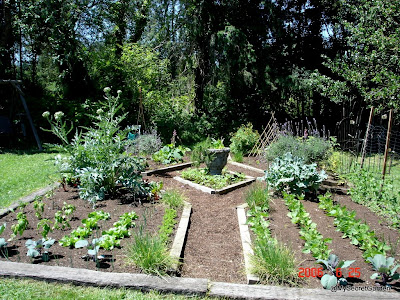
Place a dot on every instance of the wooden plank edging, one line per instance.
(244, 166)
(180, 236)
(246, 244)
(167, 169)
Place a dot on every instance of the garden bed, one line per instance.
(213, 247)
(150, 216)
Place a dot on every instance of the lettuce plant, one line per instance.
(385, 267)
(334, 266)
(170, 154)
(289, 173)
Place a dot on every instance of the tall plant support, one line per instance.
(269, 135)
(387, 149)
(16, 85)
(364, 148)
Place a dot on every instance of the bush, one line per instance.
(97, 158)
(311, 150)
(200, 154)
(244, 139)
(147, 144)
(291, 173)
(170, 154)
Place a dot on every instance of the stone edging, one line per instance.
(178, 285)
(180, 236)
(28, 199)
(246, 243)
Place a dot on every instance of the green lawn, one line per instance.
(23, 173)
(30, 289)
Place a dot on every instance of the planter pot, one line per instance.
(219, 158)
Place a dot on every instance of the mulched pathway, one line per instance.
(213, 247)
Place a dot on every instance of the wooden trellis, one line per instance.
(269, 135)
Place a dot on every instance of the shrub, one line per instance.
(200, 154)
(97, 157)
(170, 154)
(147, 143)
(244, 139)
(291, 173)
(311, 150)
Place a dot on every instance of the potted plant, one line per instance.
(213, 153)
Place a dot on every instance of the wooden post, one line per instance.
(28, 115)
(387, 144)
(366, 136)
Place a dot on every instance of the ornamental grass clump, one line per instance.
(97, 157)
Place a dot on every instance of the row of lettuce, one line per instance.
(295, 176)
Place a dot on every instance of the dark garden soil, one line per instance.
(213, 247)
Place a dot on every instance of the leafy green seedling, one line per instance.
(35, 248)
(22, 224)
(38, 205)
(386, 268)
(334, 266)
(45, 225)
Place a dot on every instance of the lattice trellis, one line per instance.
(269, 135)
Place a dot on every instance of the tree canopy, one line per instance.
(203, 67)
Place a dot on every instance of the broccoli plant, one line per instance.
(334, 266)
(386, 268)
(3, 243)
(92, 248)
(39, 248)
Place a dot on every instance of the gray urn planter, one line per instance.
(219, 158)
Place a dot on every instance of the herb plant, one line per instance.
(385, 267)
(334, 267)
(200, 152)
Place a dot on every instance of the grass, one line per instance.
(275, 263)
(149, 253)
(29, 289)
(23, 173)
(272, 261)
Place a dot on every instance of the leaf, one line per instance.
(375, 276)
(328, 281)
(347, 263)
(81, 244)
(3, 242)
(32, 252)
